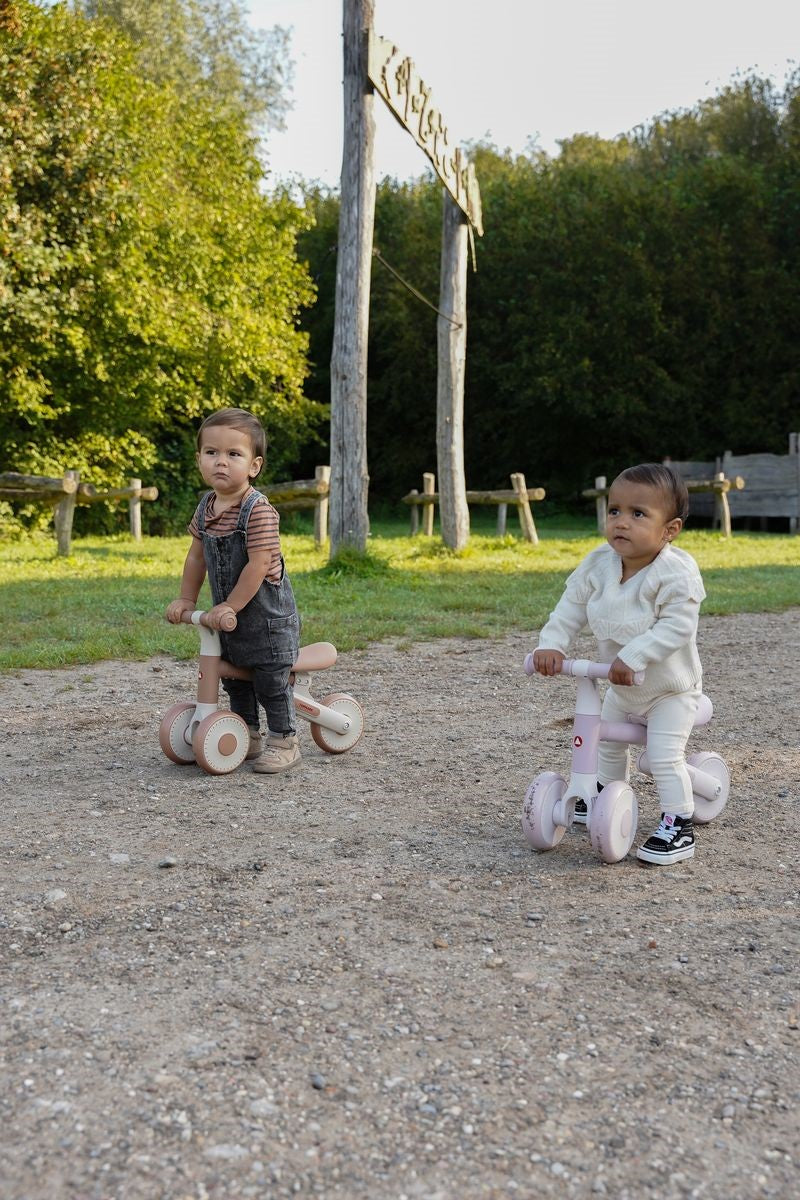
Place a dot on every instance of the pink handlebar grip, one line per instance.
(581, 667)
(593, 670)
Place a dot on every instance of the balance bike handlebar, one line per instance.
(581, 667)
(228, 623)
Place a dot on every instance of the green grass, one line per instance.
(107, 599)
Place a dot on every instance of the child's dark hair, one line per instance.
(238, 418)
(668, 482)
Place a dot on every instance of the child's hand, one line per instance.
(176, 610)
(548, 662)
(621, 674)
(219, 616)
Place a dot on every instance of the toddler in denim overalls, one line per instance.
(247, 576)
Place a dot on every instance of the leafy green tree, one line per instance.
(634, 299)
(145, 276)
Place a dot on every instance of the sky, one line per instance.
(523, 71)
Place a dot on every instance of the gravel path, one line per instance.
(357, 981)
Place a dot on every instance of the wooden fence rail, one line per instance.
(66, 492)
(305, 493)
(719, 485)
(518, 494)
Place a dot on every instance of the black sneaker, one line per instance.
(672, 841)
(581, 812)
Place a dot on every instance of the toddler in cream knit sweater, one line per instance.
(640, 597)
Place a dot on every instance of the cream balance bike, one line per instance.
(218, 740)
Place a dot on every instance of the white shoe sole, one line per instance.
(666, 859)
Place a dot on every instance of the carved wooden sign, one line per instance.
(396, 79)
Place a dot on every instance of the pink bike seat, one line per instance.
(315, 657)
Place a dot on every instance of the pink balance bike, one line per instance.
(612, 816)
(218, 740)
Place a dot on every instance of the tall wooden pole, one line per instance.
(349, 522)
(451, 358)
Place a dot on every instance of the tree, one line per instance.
(145, 277)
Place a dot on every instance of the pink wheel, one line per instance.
(328, 739)
(173, 734)
(221, 742)
(539, 822)
(706, 810)
(612, 825)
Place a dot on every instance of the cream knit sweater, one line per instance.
(650, 621)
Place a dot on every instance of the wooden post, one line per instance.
(135, 509)
(502, 514)
(349, 524)
(451, 332)
(722, 509)
(794, 449)
(600, 504)
(322, 475)
(414, 515)
(64, 512)
(524, 509)
(428, 488)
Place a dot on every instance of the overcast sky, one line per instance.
(515, 70)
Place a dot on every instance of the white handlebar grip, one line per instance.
(529, 667)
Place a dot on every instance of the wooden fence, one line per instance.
(519, 494)
(773, 484)
(715, 489)
(66, 492)
(305, 493)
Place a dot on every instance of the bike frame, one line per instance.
(588, 730)
(213, 668)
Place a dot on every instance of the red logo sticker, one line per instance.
(577, 741)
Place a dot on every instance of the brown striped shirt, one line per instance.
(263, 532)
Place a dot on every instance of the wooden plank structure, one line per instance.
(376, 66)
(66, 492)
(715, 490)
(519, 494)
(305, 493)
(773, 484)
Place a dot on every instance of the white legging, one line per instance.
(669, 722)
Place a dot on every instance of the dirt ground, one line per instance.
(356, 980)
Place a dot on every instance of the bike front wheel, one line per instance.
(613, 821)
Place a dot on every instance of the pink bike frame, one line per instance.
(589, 730)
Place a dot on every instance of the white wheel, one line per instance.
(221, 742)
(538, 821)
(706, 810)
(173, 733)
(613, 821)
(328, 739)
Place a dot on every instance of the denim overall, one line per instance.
(267, 634)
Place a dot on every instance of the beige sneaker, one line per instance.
(279, 754)
(256, 743)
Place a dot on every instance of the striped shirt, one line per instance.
(263, 533)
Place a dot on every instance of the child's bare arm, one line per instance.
(246, 587)
(194, 572)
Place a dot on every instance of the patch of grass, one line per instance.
(108, 598)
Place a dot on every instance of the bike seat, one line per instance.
(315, 657)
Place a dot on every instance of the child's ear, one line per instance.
(673, 528)
(256, 466)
